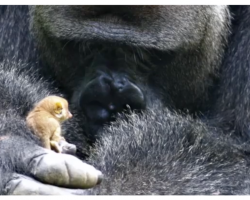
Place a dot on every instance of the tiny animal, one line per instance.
(45, 121)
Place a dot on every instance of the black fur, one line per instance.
(179, 65)
(163, 153)
(231, 110)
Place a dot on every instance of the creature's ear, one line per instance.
(58, 108)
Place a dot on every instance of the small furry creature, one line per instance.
(46, 118)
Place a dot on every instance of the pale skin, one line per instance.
(46, 118)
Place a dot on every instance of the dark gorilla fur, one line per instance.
(191, 135)
(174, 157)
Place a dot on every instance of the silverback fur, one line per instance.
(183, 70)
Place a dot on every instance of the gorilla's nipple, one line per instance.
(111, 107)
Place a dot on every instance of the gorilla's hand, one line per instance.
(49, 168)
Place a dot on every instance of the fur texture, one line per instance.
(192, 138)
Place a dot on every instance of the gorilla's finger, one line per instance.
(23, 185)
(63, 170)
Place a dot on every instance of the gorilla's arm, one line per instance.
(20, 153)
(24, 157)
(231, 110)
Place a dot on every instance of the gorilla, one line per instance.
(159, 95)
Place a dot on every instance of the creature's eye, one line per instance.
(59, 112)
(58, 108)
